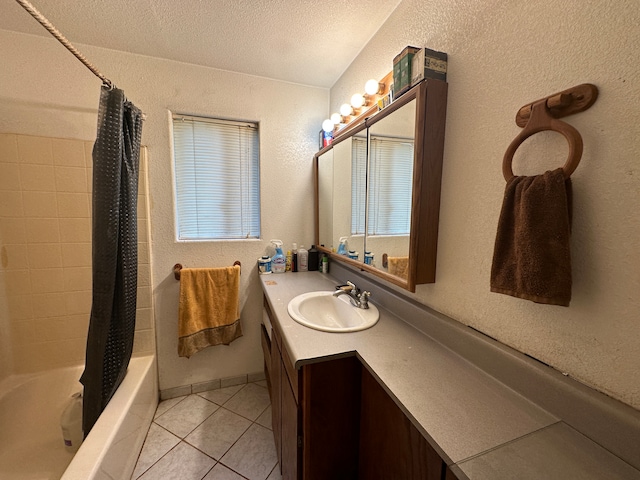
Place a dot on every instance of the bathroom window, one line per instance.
(390, 181)
(217, 178)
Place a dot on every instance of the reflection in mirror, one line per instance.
(345, 198)
(391, 159)
(325, 198)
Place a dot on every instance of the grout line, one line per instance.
(183, 439)
(154, 463)
(170, 408)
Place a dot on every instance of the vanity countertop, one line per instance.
(474, 421)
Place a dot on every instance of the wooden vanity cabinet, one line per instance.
(315, 413)
(333, 420)
(285, 409)
(390, 445)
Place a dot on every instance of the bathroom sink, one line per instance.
(323, 311)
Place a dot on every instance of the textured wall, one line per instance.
(45, 91)
(502, 55)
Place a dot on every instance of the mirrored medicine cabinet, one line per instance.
(378, 186)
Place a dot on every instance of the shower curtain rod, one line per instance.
(62, 39)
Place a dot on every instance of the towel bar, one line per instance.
(178, 266)
(543, 115)
(572, 100)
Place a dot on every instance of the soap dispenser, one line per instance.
(342, 249)
(278, 262)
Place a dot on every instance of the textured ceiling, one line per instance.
(301, 41)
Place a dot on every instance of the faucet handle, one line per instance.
(355, 290)
(364, 299)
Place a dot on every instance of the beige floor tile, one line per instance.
(218, 433)
(182, 463)
(165, 405)
(265, 418)
(275, 473)
(187, 415)
(157, 444)
(250, 402)
(221, 395)
(246, 449)
(220, 472)
(254, 455)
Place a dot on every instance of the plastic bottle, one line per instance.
(71, 423)
(313, 259)
(368, 258)
(294, 258)
(278, 262)
(324, 265)
(289, 261)
(264, 265)
(342, 248)
(303, 259)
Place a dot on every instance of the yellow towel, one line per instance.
(399, 266)
(208, 310)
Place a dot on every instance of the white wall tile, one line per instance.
(35, 150)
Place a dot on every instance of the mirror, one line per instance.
(390, 166)
(325, 198)
(383, 177)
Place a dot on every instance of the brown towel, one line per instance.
(531, 259)
(399, 266)
(208, 310)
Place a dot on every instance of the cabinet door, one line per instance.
(276, 402)
(266, 352)
(290, 424)
(450, 475)
(330, 409)
(390, 446)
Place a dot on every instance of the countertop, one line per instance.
(474, 421)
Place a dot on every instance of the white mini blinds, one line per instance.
(388, 182)
(217, 175)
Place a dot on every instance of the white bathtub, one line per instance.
(31, 446)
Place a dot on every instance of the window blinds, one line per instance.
(358, 184)
(390, 185)
(217, 175)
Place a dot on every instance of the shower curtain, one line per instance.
(116, 156)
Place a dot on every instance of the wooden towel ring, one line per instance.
(539, 121)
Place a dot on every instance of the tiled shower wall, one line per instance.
(45, 249)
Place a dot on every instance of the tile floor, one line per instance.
(222, 434)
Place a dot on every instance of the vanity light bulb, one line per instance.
(336, 118)
(357, 100)
(345, 110)
(327, 125)
(372, 87)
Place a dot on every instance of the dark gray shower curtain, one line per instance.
(116, 156)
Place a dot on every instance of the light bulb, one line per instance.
(372, 87)
(357, 100)
(336, 118)
(327, 125)
(345, 109)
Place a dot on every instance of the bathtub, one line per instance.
(31, 446)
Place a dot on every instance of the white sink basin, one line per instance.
(323, 311)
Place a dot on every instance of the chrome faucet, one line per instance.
(356, 297)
